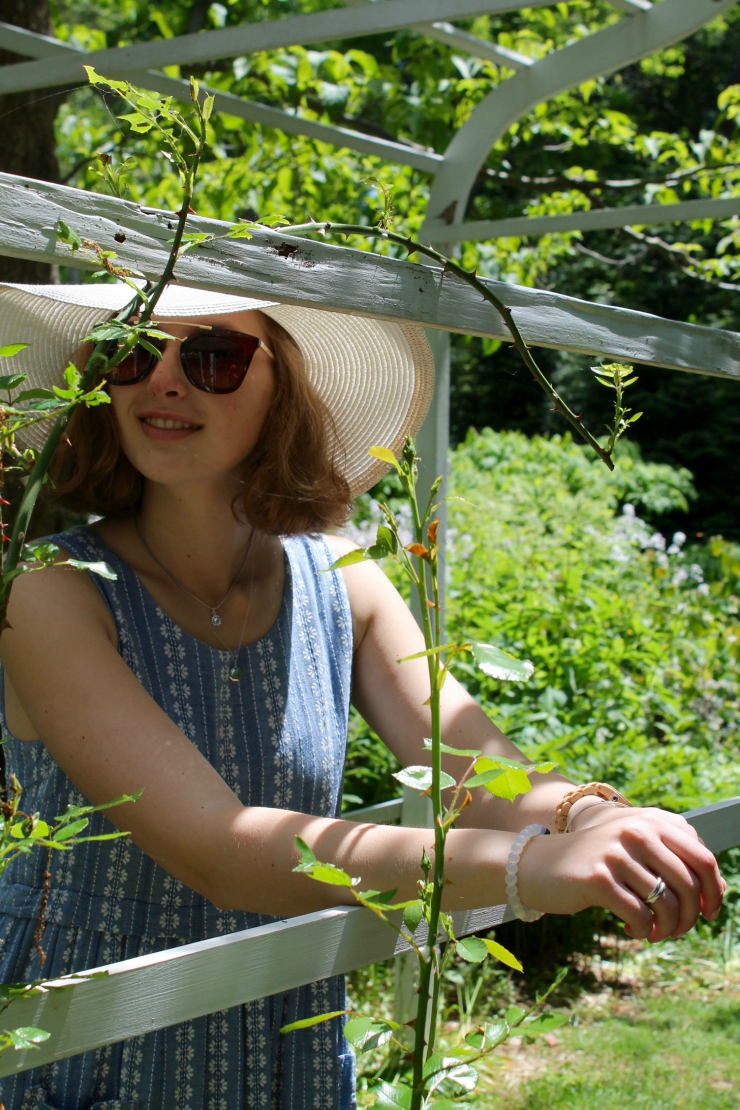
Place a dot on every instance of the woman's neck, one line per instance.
(195, 535)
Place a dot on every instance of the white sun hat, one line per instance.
(375, 377)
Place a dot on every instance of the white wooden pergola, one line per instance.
(141, 995)
(644, 28)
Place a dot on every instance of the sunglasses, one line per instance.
(215, 361)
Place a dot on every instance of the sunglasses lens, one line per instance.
(132, 368)
(218, 363)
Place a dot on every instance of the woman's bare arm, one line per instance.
(391, 697)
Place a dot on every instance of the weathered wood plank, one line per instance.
(320, 275)
(718, 825)
(137, 996)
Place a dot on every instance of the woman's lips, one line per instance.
(167, 434)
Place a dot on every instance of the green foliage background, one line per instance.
(635, 637)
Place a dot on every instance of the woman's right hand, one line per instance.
(616, 862)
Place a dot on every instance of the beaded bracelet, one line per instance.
(517, 848)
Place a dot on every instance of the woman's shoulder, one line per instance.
(58, 584)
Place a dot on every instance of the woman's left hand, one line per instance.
(603, 814)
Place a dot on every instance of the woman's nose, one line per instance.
(167, 378)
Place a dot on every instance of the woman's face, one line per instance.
(215, 432)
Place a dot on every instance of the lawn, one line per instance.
(651, 1027)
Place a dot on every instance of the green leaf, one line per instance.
(380, 898)
(392, 1097)
(307, 856)
(544, 1023)
(420, 778)
(509, 785)
(439, 1067)
(27, 1037)
(67, 235)
(494, 1033)
(72, 829)
(386, 538)
(34, 395)
(10, 381)
(467, 753)
(95, 79)
(306, 1023)
(503, 955)
(11, 349)
(102, 569)
(326, 873)
(500, 665)
(412, 916)
(349, 559)
(366, 1033)
(428, 652)
(472, 949)
(385, 456)
(514, 1015)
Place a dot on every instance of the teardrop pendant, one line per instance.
(215, 619)
(236, 674)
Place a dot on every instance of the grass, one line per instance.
(654, 1027)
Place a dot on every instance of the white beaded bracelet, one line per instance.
(517, 848)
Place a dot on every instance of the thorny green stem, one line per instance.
(427, 966)
(450, 266)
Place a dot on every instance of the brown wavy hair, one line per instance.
(293, 485)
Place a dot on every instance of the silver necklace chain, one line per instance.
(215, 618)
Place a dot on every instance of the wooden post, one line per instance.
(432, 443)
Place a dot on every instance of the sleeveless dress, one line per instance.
(278, 738)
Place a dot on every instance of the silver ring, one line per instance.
(658, 890)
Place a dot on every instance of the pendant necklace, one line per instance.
(235, 672)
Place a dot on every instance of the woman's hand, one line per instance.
(615, 860)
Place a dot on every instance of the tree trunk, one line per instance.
(27, 145)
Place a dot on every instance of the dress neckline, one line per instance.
(128, 570)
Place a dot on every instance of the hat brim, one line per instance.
(375, 377)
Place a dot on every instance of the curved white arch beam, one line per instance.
(603, 52)
(251, 38)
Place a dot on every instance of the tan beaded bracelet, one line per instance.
(599, 789)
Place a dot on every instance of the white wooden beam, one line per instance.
(151, 992)
(320, 275)
(137, 996)
(631, 7)
(463, 41)
(598, 54)
(228, 42)
(596, 219)
(42, 46)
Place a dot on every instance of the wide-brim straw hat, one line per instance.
(375, 377)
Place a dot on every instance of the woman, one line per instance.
(214, 676)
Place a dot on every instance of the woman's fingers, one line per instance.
(698, 858)
(678, 904)
(622, 901)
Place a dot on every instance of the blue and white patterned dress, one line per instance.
(278, 738)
